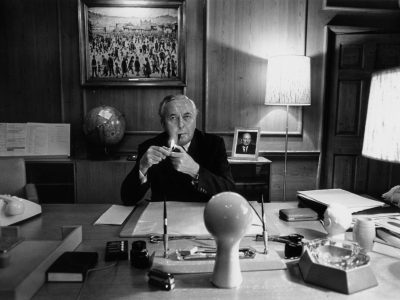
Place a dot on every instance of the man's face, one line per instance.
(180, 120)
(246, 139)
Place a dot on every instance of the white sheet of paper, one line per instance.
(350, 200)
(184, 218)
(115, 215)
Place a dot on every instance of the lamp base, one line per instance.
(261, 262)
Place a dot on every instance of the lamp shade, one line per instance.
(382, 127)
(288, 80)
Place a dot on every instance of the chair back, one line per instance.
(12, 176)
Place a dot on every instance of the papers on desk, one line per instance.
(115, 215)
(184, 218)
(352, 201)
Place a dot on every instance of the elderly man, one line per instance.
(180, 164)
(246, 147)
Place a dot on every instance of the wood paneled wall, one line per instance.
(228, 43)
(241, 35)
(29, 56)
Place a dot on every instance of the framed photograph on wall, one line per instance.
(130, 42)
(245, 143)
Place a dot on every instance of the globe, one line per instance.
(104, 126)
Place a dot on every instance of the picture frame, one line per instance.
(246, 143)
(132, 43)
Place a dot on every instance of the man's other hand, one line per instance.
(183, 162)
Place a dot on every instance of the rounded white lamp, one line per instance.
(227, 216)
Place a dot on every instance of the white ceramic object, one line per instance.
(227, 216)
(337, 219)
(364, 233)
(14, 205)
(14, 209)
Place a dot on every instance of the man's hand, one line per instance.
(183, 162)
(153, 156)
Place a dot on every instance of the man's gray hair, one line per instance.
(170, 98)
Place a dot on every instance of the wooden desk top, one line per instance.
(125, 282)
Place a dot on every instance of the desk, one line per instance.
(124, 282)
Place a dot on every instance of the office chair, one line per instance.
(13, 179)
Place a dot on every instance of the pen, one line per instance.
(265, 233)
(165, 229)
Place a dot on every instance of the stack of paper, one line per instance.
(338, 196)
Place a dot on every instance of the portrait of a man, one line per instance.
(246, 144)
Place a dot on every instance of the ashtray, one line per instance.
(341, 254)
(336, 264)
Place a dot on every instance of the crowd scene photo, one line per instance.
(123, 49)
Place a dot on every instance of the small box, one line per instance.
(298, 214)
(116, 250)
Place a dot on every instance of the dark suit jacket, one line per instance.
(214, 174)
(251, 149)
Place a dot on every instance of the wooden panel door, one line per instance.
(352, 59)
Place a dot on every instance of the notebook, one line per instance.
(71, 266)
(350, 200)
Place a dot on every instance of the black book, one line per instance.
(71, 266)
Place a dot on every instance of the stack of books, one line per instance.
(388, 231)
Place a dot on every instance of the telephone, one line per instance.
(14, 209)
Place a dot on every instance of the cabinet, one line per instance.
(54, 179)
(252, 177)
(100, 181)
(91, 181)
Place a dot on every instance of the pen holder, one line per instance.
(227, 216)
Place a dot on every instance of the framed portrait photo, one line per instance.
(245, 143)
(130, 42)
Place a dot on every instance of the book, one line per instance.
(71, 266)
(350, 200)
(382, 247)
(389, 237)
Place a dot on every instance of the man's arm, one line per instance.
(217, 176)
(132, 188)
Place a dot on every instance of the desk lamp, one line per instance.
(288, 84)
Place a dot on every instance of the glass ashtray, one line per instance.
(340, 254)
